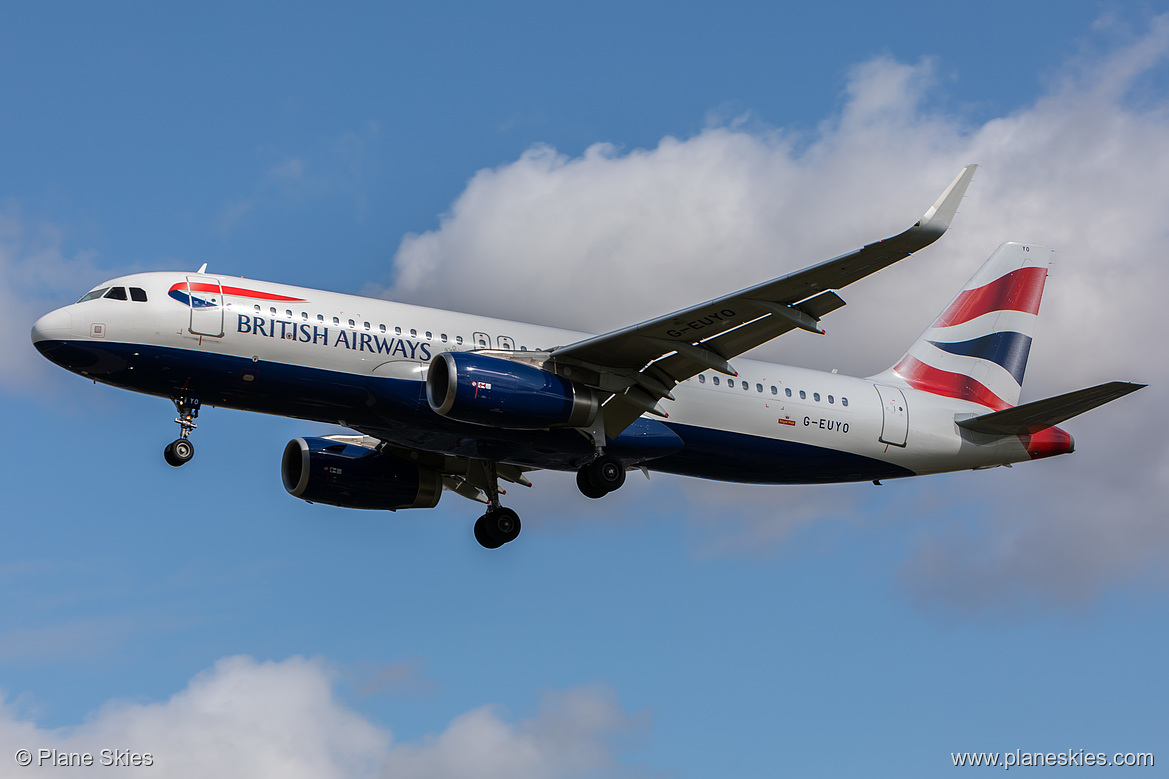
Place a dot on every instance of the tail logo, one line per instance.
(977, 349)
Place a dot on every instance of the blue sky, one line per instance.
(587, 167)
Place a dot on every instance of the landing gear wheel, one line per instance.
(497, 527)
(585, 485)
(179, 452)
(606, 473)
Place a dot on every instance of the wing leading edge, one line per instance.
(641, 364)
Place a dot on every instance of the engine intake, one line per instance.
(491, 391)
(321, 470)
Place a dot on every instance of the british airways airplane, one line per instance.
(442, 400)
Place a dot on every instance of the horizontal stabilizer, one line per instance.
(1032, 417)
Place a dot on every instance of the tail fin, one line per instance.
(977, 349)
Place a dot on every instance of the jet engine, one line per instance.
(321, 470)
(492, 391)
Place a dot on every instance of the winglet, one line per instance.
(941, 213)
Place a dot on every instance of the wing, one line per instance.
(641, 364)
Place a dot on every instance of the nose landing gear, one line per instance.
(181, 450)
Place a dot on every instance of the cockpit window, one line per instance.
(138, 294)
(116, 293)
(97, 293)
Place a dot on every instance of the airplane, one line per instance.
(441, 400)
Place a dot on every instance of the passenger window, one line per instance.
(97, 293)
(482, 341)
(304, 315)
(788, 390)
(758, 387)
(830, 400)
(272, 310)
(413, 333)
(257, 307)
(803, 395)
(382, 328)
(116, 293)
(288, 313)
(715, 380)
(844, 401)
(336, 321)
(352, 323)
(442, 337)
(320, 317)
(701, 378)
(397, 331)
(731, 383)
(816, 396)
(522, 348)
(428, 335)
(774, 391)
(459, 340)
(367, 325)
(746, 386)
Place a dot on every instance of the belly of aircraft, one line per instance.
(396, 410)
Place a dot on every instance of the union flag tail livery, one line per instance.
(447, 402)
(977, 348)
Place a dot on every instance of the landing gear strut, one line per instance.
(181, 450)
(600, 477)
(499, 525)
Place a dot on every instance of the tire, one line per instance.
(505, 524)
(607, 473)
(585, 484)
(485, 533)
(178, 452)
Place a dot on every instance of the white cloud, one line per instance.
(244, 718)
(616, 236)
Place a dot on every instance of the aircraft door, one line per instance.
(205, 296)
(894, 415)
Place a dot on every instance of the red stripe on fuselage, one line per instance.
(951, 385)
(1019, 290)
(237, 291)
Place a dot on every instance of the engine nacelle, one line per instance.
(321, 470)
(491, 391)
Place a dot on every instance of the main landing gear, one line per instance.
(600, 477)
(181, 450)
(499, 525)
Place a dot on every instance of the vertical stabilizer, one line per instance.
(977, 349)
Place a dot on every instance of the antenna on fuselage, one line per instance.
(202, 268)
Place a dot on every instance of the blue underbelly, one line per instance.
(396, 410)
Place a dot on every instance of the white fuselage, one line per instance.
(279, 349)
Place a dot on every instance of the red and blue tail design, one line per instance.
(977, 349)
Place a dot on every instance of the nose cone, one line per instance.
(53, 326)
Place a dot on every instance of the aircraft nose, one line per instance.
(53, 326)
